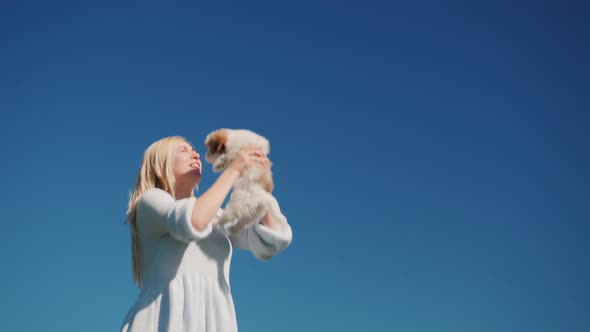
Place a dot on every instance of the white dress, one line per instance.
(186, 272)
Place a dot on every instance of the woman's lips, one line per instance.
(196, 165)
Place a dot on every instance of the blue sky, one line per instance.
(431, 158)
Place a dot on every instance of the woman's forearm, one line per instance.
(269, 221)
(207, 205)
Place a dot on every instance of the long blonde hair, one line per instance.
(156, 171)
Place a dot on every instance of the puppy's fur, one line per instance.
(252, 192)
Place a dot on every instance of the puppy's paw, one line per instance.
(219, 165)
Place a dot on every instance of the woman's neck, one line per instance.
(184, 191)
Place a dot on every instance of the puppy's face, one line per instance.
(216, 144)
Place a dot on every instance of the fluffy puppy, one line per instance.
(252, 192)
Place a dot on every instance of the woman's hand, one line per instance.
(248, 157)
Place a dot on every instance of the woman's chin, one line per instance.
(196, 173)
(193, 176)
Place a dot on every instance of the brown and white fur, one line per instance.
(252, 192)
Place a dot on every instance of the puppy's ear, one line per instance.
(267, 182)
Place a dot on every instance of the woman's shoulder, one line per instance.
(154, 197)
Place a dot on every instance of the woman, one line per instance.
(181, 258)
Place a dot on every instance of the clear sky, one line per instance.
(431, 158)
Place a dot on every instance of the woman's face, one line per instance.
(187, 163)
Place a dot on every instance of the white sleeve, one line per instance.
(263, 241)
(158, 213)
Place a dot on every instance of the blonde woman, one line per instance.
(181, 258)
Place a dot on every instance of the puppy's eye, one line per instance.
(215, 147)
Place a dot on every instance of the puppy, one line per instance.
(252, 192)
